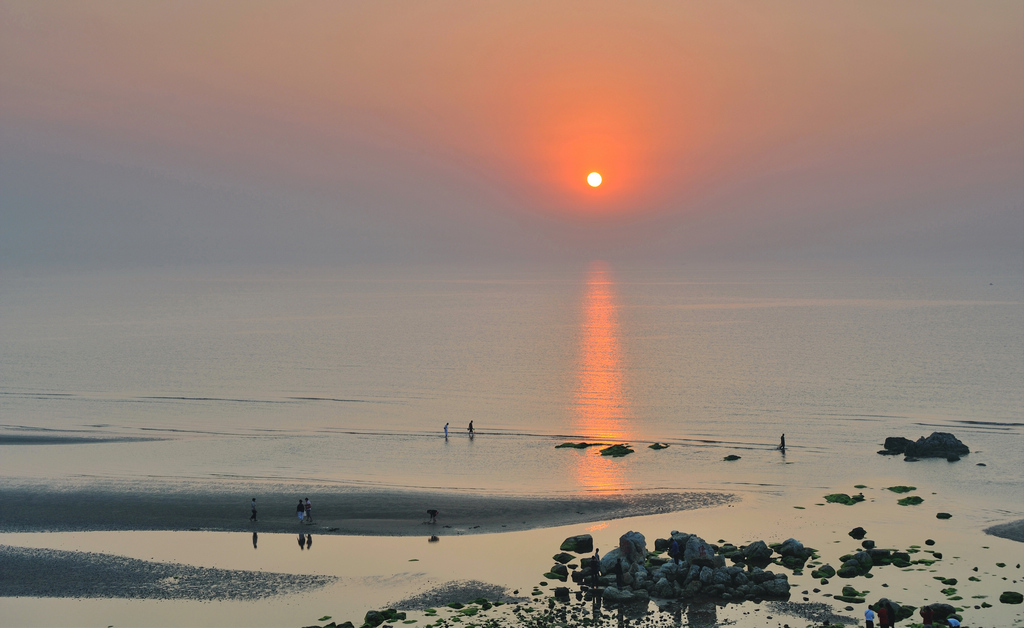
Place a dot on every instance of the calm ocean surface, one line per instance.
(348, 377)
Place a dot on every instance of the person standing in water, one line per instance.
(300, 510)
(782, 443)
(309, 511)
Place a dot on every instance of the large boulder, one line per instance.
(938, 445)
(941, 611)
(633, 547)
(758, 553)
(699, 552)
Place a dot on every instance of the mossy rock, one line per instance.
(901, 489)
(616, 451)
(843, 498)
(555, 576)
(561, 557)
(657, 446)
(860, 486)
(455, 605)
(575, 445)
(1011, 597)
(731, 457)
(913, 500)
(851, 592)
(849, 599)
(825, 571)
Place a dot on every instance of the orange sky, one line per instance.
(689, 110)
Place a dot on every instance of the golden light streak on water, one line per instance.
(601, 410)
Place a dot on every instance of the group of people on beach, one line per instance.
(886, 620)
(470, 429)
(304, 510)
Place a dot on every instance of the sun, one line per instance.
(594, 179)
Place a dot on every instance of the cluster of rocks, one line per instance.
(630, 573)
(938, 445)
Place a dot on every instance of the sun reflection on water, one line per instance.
(601, 411)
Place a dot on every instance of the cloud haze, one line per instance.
(321, 132)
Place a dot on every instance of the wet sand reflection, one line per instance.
(601, 411)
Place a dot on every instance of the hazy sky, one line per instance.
(138, 133)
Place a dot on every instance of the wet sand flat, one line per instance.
(355, 512)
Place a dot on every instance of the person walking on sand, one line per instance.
(471, 432)
(446, 431)
(309, 511)
(869, 618)
(782, 443)
(252, 517)
(300, 510)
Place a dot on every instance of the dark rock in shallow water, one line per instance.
(896, 444)
(938, 445)
(616, 451)
(1011, 597)
(731, 457)
(581, 544)
(867, 544)
(563, 558)
(943, 515)
(858, 533)
(941, 611)
(758, 553)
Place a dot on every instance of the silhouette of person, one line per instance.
(302, 541)
(309, 541)
(300, 510)
(255, 537)
(782, 443)
(446, 431)
(471, 431)
(433, 515)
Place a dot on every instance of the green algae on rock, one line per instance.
(913, 500)
(843, 498)
(901, 489)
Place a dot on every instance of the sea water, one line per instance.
(348, 376)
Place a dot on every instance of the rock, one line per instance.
(894, 609)
(943, 515)
(705, 575)
(616, 451)
(777, 587)
(849, 569)
(699, 552)
(858, 533)
(660, 545)
(663, 588)
(929, 542)
(938, 445)
(373, 618)
(559, 569)
(561, 592)
(913, 500)
(563, 558)
(1011, 597)
(896, 445)
(731, 457)
(867, 544)
(952, 458)
(825, 571)
(657, 446)
(580, 544)
(633, 547)
(941, 611)
(758, 553)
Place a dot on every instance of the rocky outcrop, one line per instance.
(938, 445)
(630, 574)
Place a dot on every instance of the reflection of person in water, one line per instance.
(433, 539)
(302, 541)
(255, 537)
(309, 541)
